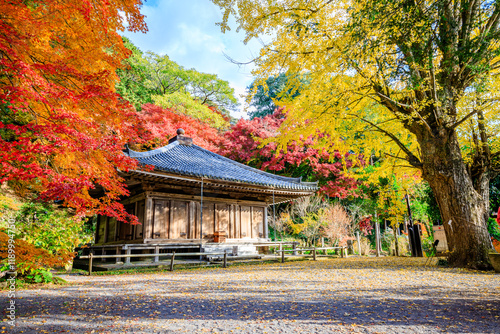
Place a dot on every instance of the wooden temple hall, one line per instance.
(196, 198)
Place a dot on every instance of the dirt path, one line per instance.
(329, 296)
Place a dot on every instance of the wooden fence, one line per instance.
(313, 250)
(172, 255)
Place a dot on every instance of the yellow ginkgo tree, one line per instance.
(410, 82)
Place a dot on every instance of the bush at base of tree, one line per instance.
(44, 237)
(31, 263)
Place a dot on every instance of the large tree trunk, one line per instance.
(463, 208)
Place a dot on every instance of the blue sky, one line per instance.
(186, 32)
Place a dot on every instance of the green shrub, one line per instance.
(493, 228)
(427, 246)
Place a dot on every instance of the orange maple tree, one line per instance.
(29, 258)
(62, 125)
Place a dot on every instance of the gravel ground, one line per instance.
(354, 295)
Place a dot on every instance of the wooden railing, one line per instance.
(313, 250)
(172, 255)
(295, 250)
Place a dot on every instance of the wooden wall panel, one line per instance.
(140, 216)
(111, 235)
(222, 216)
(101, 230)
(180, 220)
(233, 228)
(257, 222)
(125, 229)
(160, 219)
(148, 219)
(246, 224)
(208, 220)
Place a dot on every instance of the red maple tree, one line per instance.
(243, 143)
(157, 125)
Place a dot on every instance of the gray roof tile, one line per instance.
(192, 160)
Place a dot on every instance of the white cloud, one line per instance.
(186, 32)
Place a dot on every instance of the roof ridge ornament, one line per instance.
(183, 140)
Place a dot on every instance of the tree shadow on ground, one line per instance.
(128, 312)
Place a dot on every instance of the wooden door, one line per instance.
(101, 230)
(246, 224)
(180, 220)
(125, 229)
(111, 230)
(140, 216)
(208, 220)
(222, 214)
(234, 221)
(160, 219)
(257, 222)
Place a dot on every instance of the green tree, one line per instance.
(150, 78)
(264, 96)
(132, 84)
(209, 90)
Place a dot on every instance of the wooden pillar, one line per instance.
(237, 221)
(148, 223)
(192, 220)
(266, 227)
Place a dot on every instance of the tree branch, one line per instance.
(412, 159)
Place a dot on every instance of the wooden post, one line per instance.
(342, 252)
(225, 259)
(90, 263)
(314, 254)
(118, 252)
(377, 235)
(127, 259)
(157, 251)
(294, 246)
(103, 252)
(282, 256)
(359, 242)
(172, 262)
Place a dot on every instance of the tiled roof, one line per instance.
(192, 160)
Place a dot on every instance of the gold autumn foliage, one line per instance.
(406, 84)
